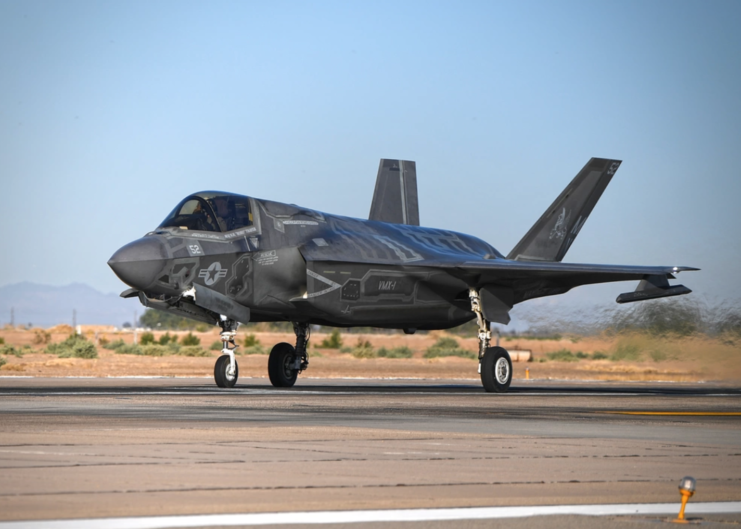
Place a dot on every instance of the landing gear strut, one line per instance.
(495, 365)
(226, 370)
(286, 361)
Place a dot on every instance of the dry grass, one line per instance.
(625, 356)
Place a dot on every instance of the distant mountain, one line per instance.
(45, 306)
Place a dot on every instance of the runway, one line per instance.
(84, 448)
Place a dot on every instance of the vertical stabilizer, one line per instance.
(395, 197)
(550, 238)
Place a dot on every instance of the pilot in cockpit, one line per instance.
(224, 213)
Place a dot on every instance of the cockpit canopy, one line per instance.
(210, 211)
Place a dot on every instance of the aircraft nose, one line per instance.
(139, 263)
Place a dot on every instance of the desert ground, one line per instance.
(622, 357)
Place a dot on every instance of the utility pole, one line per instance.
(12, 316)
(134, 327)
(74, 318)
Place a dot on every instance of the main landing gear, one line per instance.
(286, 361)
(495, 365)
(226, 370)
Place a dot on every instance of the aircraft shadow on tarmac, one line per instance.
(369, 387)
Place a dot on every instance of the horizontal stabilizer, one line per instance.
(653, 287)
(395, 197)
(550, 238)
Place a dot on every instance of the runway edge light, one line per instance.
(686, 489)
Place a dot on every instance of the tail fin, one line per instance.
(395, 198)
(550, 238)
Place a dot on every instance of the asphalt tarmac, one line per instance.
(88, 448)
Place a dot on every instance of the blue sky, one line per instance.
(111, 112)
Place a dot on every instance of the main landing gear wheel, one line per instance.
(282, 366)
(223, 374)
(496, 370)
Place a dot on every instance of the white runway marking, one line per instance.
(397, 515)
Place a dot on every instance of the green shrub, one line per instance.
(147, 338)
(192, 350)
(251, 340)
(581, 355)
(253, 350)
(103, 342)
(155, 350)
(75, 346)
(9, 350)
(80, 350)
(333, 341)
(363, 349)
(658, 356)
(190, 339)
(627, 351)
(218, 345)
(563, 355)
(3, 361)
(446, 342)
(447, 346)
(2, 340)
(113, 346)
(396, 352)
(128, 349)
(167, 338)
(364, 352)
(599, 355)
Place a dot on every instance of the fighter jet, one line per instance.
(226, 259)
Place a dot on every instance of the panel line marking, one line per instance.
(391, 515)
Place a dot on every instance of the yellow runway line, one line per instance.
(684, 413)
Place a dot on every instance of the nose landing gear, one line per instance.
(226, 370)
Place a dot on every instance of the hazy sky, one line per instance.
(111, 112)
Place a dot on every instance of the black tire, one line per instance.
(496, 370)
(221, 375)
(280, 366)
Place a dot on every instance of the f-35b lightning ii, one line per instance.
(223, 259)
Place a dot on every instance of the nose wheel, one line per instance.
(226, 370)
(224, 374)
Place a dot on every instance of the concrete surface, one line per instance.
(79, 448)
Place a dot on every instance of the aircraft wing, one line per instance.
(505, 282)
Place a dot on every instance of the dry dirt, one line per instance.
(679, 360)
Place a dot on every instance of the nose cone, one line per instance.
(139, 263)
